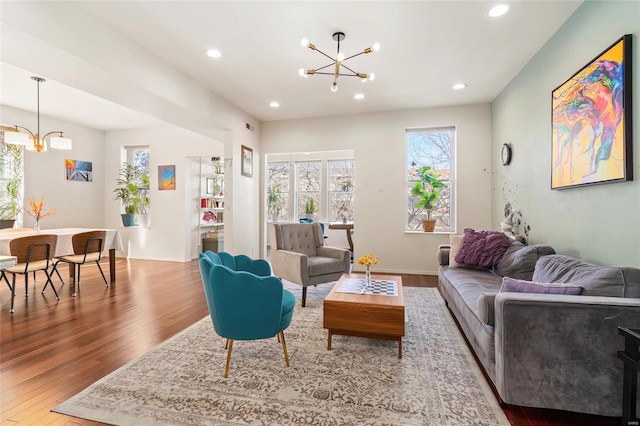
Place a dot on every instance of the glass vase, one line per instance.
(367, 278)
(36, 227)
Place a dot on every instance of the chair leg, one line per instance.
(284, 348)
(102, 273)
(226, 368)
(13, 291)
(55, 269)
(304, 296)
(49, 282)
(226, 344)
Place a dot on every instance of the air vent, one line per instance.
(249, 126)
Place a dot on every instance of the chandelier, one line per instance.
(18, 135)
(339, 68)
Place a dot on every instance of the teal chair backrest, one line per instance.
(242, 305)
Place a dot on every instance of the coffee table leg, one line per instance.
(329, 341)
(400, 348)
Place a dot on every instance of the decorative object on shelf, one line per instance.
(246, 154)
(79, 170)
(337, 63)
(517, 220)
(217, 165)
(209, 186)
(167, 178)
(36, 211)
(209, 216)
(367, 260)
(11, 161)
(592, 121)
(428, 193)
(310, 208)
(18, 135)
(505, 154)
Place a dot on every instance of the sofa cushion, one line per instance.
(522, 286)
(519, 260)
(482, 248)
(455, 241)
(596, 280)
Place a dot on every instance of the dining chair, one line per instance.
(87, 247)
(33, 254)
(243, 305)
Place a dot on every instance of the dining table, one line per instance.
(64, 246)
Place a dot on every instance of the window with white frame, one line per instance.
(341, 190)
(434, 148)
(11, 181)
(139, 158)
(326, 177)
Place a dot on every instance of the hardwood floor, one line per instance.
(50, 350)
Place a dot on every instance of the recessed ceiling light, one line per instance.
(358, 96)
(213, 53)
(274, 104)
(458, 86)
(499, 10)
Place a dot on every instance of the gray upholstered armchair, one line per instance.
(299, 254)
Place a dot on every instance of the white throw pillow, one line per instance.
(455, 241)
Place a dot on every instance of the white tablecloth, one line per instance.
(64, 245)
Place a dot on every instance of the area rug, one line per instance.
(359, 382)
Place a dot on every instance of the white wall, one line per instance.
(380, 155)
(598, 223)
(78, 204)
(171, 235)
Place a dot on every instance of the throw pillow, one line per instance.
(519, 261)
(455, 241)
(521, 286)
(482, 249)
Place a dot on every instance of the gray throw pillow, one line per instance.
(519, 261)
(522, 286)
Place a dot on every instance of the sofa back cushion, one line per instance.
(519, 260)
(596, 280)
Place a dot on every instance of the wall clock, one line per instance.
(505, 154)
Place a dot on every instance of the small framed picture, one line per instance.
(209, 185)
(247, 161)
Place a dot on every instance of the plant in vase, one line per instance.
(310, 207)
(427, 191)
(274, 201)
(36, 211)
(367, 260)
(132, 192)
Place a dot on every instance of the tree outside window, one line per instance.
(307, 185)
(341, 190)
(278, 187)
(435, 148)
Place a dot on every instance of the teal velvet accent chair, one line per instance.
(245, 301)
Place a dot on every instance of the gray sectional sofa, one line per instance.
(546, 350)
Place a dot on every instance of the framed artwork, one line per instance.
(591, 122)
(247, 161)
(209, 185)
(167, 178)
(78, 170)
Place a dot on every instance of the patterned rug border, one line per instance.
(109, 416)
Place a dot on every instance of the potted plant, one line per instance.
(427, 191)
(274, 201)
(310, 207)
(142, 217)
(11, 200)
(130, 181)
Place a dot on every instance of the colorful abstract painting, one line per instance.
(591, 140)
(167, 177)
(79, 170)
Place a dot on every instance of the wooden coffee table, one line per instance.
(364, 315)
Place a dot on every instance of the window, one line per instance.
(325, 177)
(278, 189)
(11, 181)
(139, 158)
(307, 186)
(341, 190)
(434, 147)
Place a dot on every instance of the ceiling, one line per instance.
(427, 46)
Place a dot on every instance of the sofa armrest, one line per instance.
(486, 308)
(556, 351)
(290, 266)
(443, 254)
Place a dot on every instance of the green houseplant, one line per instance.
(274, 201)
(427, 191)
(310, 207)
(11, 159)
(132, 192)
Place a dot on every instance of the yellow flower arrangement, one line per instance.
(368, 260)
(35, 209)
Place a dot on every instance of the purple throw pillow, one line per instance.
(521, 286)
(482, 248)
